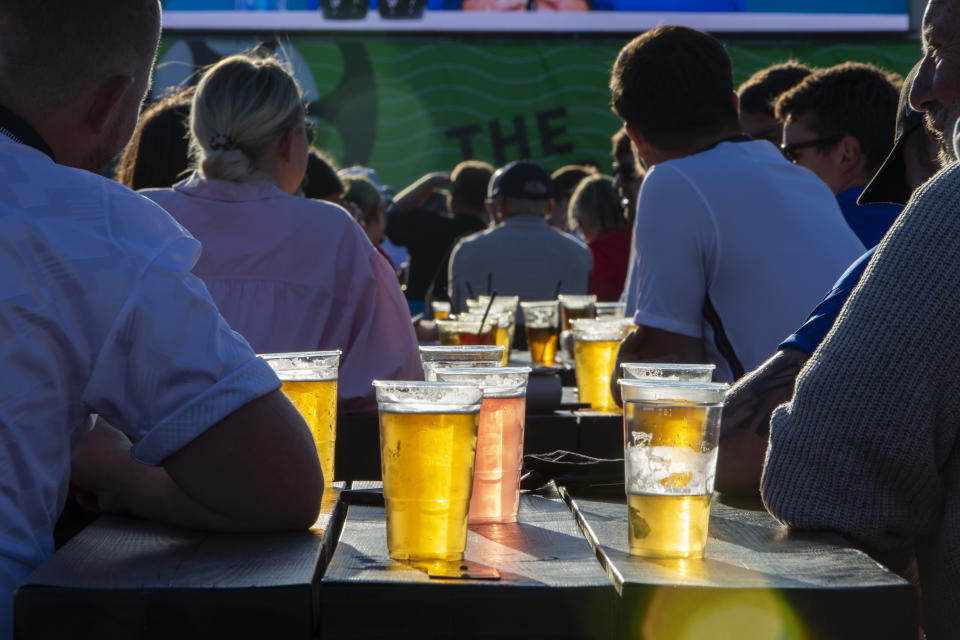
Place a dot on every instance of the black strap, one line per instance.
(18, 130)
(720, 338)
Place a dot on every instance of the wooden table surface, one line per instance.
(755, 575)
(550, 584)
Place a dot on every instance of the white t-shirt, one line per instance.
(764, 238)
(99, 313)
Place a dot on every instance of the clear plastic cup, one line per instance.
(435, 356)
(575, 308)
(668, 371)
(428, 443)
(496, 477)
(309, 379)
(671, 432)
(616, 309)
(595, 346)
(440, 309)
(467, 331)
(541, 319)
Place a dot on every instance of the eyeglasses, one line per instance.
(790, 150)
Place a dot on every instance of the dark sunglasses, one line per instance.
(790, 150)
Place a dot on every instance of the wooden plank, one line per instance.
(129, 578)
(755, 574)
(550, 586)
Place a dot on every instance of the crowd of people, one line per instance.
(798, 232)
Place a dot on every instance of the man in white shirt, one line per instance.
(735, 245)
(522, 256)
(99, 314)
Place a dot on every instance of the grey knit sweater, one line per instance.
(868, 445)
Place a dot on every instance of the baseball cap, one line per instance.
(522, 179)
(889, 184)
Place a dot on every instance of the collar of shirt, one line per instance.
(524, 222)
(15, 128)
(227, 190)
(849, 197)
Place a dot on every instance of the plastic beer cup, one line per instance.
(309, 380)
(440, 309)
(496, 476)
(575, 308)
(595, 346)
(428, 442)
(616, 309)
(469, 331)
(668, 371)
(434, 356)
(671, 432)
(541, 320)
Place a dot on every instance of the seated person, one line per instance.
(759, 93)
(523, 256)
(157, 155)
(564, 181)
(288, 273)
(99, 313)
(595, 209)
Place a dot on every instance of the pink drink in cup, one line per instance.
(496, 479)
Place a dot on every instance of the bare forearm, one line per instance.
(746, 420)
(417, 193)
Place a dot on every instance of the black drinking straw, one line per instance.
(469, 289)
(557, 293)
(493, 296)
(489, 282)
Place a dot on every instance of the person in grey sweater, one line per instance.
(868, 445)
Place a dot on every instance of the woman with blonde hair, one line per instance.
(596, 209)
(288, 273)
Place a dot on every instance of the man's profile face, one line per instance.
(802, 145)
(936, 89)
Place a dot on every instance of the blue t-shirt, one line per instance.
(818, 324)
(869, 221)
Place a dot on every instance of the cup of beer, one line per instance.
(668, 371)
(595, 346)
(671, 431)
(496, 475)
(541, 320)
(575, 308)
(428, 443)
(309, 379)
(435, 356)
(440, 309)
(615, 309)
(466, 331)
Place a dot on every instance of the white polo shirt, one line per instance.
(763, 238)
(99, 313)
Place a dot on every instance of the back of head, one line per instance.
(565, 179)
(758, 93)
(242, 105)
(321, 181)
(852, 99)
(524, 188)
(53, 51)
(596, 207)
(364, 193)
(469, 189)
(674, 86)
(158, 154)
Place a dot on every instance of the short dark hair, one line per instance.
(52, 51)
(321, 181)
(469, 185)
(565, 179)
(852, 98)
(157, 154)
(674, 86)
(758, 93)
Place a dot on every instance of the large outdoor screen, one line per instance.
(575, 16)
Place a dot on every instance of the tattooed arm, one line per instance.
(746, 420)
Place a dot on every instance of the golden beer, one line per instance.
(427, 461)
(501, 336)
(668, 526)
(594, 361)
(316, 400)
(542, 342)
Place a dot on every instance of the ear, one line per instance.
(106, 100)
(643, 147)
(549, 208)
(285, 144)
(736, 102)
(850, 154)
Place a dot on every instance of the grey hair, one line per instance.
(596, 204)
(242, 105)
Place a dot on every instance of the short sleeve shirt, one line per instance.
(99, 313)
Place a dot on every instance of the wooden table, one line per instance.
(550, 585)
(757, 577)
(127, 578)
